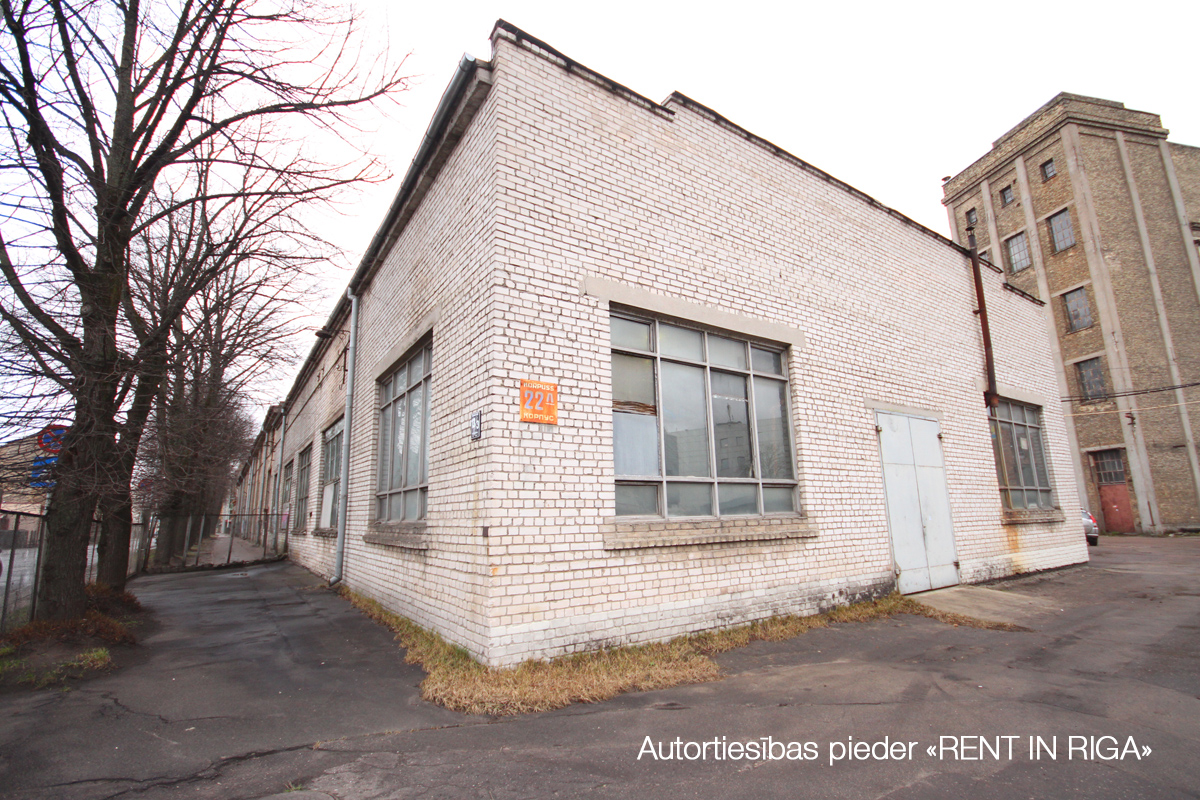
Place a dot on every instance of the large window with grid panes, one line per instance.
(303, 462)
(1016, 252)
(402, 475)
(701, 423)
(331, 474)
(1018, 447)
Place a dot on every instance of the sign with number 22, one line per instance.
(539, 402)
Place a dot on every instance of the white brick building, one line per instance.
(734, 338)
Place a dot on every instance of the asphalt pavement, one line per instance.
(259, 681)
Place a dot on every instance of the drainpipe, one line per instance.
(340, 559)
(279, 470)
(990, 396)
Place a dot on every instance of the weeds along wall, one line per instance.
(569, 198)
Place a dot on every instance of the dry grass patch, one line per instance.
(457, 681)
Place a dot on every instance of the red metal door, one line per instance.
(1118, 513)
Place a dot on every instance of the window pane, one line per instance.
(416, 435)
(399, 427)
(633, 384)
(778, 498)
(726, 352)
(737, 498)
(1012, 472)
(423, 458)
(1062, 231)
(685, 421)
(731, 425)
(635, 444)
(1091, 379)
(1079, 310)
(1017, 250)
(416, 368)
(385, 449)
(774, 447)
(996, 452)
(385, 390)
(1023, 453)
(680, 342)
(397, 506)
(689, 499)
(767, 361)
(637, 500)
(627, 333)
(412, 505)
(1039, 458)
(400, 381)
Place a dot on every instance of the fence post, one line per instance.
(187, 540)
(151, 524)
(37, 570)
(8, 578)
(199, 539)
(229, 555)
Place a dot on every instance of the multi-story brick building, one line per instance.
(1087, 206)
(613, 370)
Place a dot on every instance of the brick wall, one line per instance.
(565, 193)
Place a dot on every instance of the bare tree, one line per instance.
(223, 273)
(107, 103)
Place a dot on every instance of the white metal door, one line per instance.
(918, 503)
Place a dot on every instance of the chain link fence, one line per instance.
(22, 537)
(160, 544)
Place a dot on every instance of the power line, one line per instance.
(1116, 410)
(1130, 393)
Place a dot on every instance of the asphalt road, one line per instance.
(255, 681)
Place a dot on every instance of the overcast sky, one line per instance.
(887, 96)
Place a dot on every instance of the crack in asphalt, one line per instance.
(164, 720)
(213, 770)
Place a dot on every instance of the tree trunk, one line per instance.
(112, 553)
(116, 507)
(68, 526)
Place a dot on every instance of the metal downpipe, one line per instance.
(347, 417)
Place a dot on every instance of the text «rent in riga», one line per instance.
(948, 748)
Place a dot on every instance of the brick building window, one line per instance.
(1091, 379)
(1061, 231)
(1079, 310)
(700, 423)
(285, 490)
(972, 217)
(302, 465)
(331, 474)
(1016, 251)
(402, 477)
(1021, 465)
(1048, 170)
(1109, 466)
(1006, 195)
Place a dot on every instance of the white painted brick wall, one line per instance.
(559, 179)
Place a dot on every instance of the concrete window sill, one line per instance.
(406, 535)
(1031, 516)
(629, 534)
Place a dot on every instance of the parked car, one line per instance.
(1091, 528)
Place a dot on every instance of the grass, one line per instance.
(46, 653)
(457, 681)
(18, 670)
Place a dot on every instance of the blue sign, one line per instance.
(39, 477)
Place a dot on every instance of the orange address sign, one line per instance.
(539, 402)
